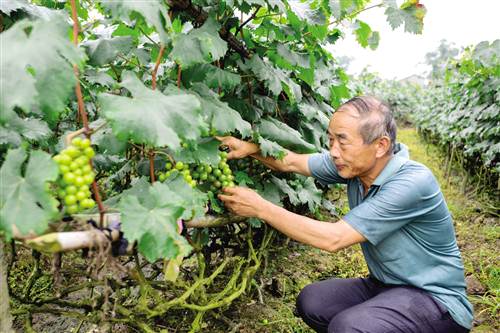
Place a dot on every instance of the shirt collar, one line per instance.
(401, 155)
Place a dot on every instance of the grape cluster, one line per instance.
(77, 175)
(204, 175)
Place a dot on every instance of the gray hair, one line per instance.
(376, 119)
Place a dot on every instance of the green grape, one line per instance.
(231, 184)
(78, 172)
(80, 195)
(87, 179)
(204, 176)
(86, 169)
(230, 177)
(72, 209)
(192, 183)
(73, 166)
(213, 188)
(87, 203)
(57, 159)
(167, 174)
(69, 178)
(217, 172)
(85, 143)
(217, 183)
(61, 193)
(77, 142)
(211, 178)
(70, 199)
(82, 160)
(223, 178)
(71, 151)
(227, 171)
(186, 167)
(161, 177)
(79, 181)
(223, 154)
(185, 172)
(188, 178)
(71, 189)
(225, 184)
(179, 165)
(89, 152)
(63, 168)
(65, 159)
(168, 166)
(196, 175)
(208, 169)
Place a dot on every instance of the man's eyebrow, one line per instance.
(340, 135)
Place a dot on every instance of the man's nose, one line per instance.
(334, 152)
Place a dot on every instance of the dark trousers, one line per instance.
(366, 305)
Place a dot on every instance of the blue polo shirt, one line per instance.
(409, 230)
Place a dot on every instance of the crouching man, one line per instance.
(398, 214)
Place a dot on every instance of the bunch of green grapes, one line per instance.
(204, 175)
(77, 175)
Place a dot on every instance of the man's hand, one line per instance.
(238, 148)
(243, 201)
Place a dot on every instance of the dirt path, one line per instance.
(293, 266)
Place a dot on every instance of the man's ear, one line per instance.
(383, 146)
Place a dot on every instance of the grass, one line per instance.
(292, 266)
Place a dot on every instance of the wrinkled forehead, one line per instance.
(345, 120)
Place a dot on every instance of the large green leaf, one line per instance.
(153, 11)
(201, 45)
(283, 134)
(205, 151)
(276, 80)
(37, 73)
(150, 214)
(105, 50)
(365, 36)
(219, 114)
(24, 200)
(411, 13)
(151, 117)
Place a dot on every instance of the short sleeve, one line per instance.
(322, 168)
(397, 203)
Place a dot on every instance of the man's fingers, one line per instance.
(226, 198)
(232, 155)
(223, 138)
(230, 190)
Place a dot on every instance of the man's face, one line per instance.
(351, 156)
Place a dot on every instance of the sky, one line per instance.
(401, 54)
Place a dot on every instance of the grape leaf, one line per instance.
(105, 50)
(273, 77)
(24, 200)
(283, 134)
(365, 36)
(151, 117)
(153, 11)
(410, 13)
(226, 80)
(271, 148)
(309, 193)
(201, 45)
(205, 151)
(37, 61)
(150, 217)
(219, 114)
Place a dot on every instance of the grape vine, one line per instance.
(149, 85)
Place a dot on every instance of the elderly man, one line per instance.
(398, 214)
